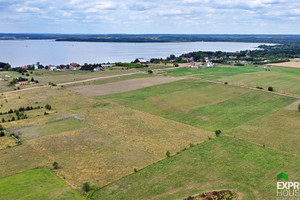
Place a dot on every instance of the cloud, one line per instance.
(137, 16)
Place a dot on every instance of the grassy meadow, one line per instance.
(37, 183)
(221, 163)
(204, 105)
(283, 79)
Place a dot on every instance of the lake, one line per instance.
(23, 52)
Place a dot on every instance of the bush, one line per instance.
(48, 107)
(299, 107)
(150, 71)
(218, 132)
(226, 83)
(135, 170)
(168, 154)
(270, 89)
(86, 187)
(2, 134)
(55, 165)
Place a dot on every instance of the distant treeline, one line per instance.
(279, 39)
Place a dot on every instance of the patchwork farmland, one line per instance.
(154, 139)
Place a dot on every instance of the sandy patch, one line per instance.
(122, 86)
(288, 64)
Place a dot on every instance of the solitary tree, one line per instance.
(168, 153)
(48, 107)
(55, 165)
(270, 89)
(218, 132)
(86, 187)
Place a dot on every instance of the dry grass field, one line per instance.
(57, 77)
(123, 86)
(110, 143)
(295, 64)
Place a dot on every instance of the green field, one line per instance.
(283, 79)
(214, 165)
(205, 105)
(36, 184)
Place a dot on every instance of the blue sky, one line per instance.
(151, 16)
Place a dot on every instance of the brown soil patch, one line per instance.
(122, 86)
(288, 64)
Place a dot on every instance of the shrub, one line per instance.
(48, 107)
(2, 134)
(1, 128)
(150, 71)
(270, 89)
(135, 170)
(226, 83)
(86, 187)
(299, 107)
(168, 153)
(55, 165)
(218, 132)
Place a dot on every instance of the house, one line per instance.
(193, 65)
(96, 69)
(52, 67)
(210, 64)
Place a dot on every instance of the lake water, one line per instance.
(23, 52)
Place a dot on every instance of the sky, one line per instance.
(151, 16)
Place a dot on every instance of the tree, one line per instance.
(86, 187)
(48, 107)
(136, 60)
(299, 107)
(1, 128)
(270, 89)
(168, 153)
(55, 165)
(175, 65)
(218, 132)
(2, 134)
